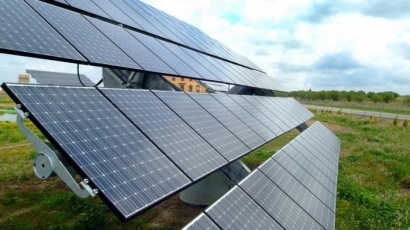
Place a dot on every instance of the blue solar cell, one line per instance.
(190, 61)
(115, 13)
(170, 133)
(167, 56)
(236, 210)
(228, 119)
(23, 30)
(204, 124)
(145, 58)
(84, 36)
(88, 6)
(260, 104)
(265, 120)
(279, 205)
(244, 116)
(300, 194)
(128, 170)
(201, 222)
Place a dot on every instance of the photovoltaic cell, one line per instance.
(55, 78)
(170, 133)
(23, 30)
(112, 10)
(132, 47)
(262, 106)
(317, 158)
(167, 56)
(236, 210)
(127, 169)
(88, 6)
(136, 17)
(84, 36)
(252, 109)
(204, 124)
(305, 160)
(193, 63)
(201, 222)
(279, 205)
(306, 179)
(302, 196)
(276, 109)
(228, 119)
(244, 116)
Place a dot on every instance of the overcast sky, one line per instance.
(305, 44)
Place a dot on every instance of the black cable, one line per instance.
(78, 74)
(98, 83)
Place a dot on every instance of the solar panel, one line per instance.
(208, 64)
(170, 133)
(236, 210)
(204, 124)
(55, 78)
(306, 179)
(190, 61)
(300, 194)
(127, 169)
(133, 48)
(167, 56)
(263, 106)
(279, 205)
(136, 17)
(228, 119)
(84, 36)
(23, 31)
(305, 161)
(88, 6)
(201, 222)
(118, 15)
(244, 116)
(277, 110)
(252, 109)
(317, 159)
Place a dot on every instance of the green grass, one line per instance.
(374, 166)
(396, 107)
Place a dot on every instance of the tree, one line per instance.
(322, 95)
(360, 96)
(387, 96)
(370, 94)
(335, 95)
(349, 96)
(376, 98)
(406, 100)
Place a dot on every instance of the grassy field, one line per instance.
(374, 167)
(396, 106)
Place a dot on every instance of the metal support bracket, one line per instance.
(49, 162)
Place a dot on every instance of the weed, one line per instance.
(405, 123)
(395, 121)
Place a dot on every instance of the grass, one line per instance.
(396, 107)
(374, 166)
(6, 103)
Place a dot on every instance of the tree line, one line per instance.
(358, 96)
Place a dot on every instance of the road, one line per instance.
(361, 112)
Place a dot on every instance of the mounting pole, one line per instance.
(49, 162)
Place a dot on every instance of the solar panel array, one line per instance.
(138, 147)
(55, 78)
(122, 34)
(291, 190)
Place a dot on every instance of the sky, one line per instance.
(304, 44)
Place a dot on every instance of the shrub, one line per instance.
(339, 112)
(395, 121)
(405, 123)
